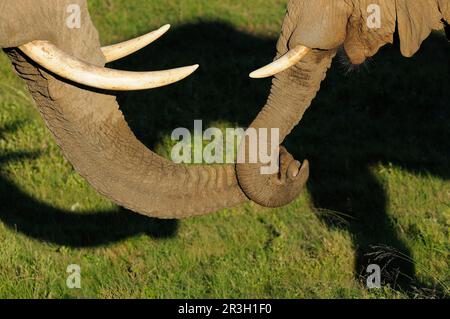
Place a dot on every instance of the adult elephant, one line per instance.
(63, 64)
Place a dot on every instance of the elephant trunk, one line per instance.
(95, 138)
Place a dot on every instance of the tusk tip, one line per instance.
(257, 75)
(252, 76)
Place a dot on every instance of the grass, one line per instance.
(378, 140)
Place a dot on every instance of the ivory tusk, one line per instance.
(291, 58)
(71, 68)
(117, 51)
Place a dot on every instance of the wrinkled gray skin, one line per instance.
(93, 134)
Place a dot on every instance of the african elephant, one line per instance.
(64, 69)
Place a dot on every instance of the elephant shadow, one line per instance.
(392, 111)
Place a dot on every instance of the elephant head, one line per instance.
(63, 66)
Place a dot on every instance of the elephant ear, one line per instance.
(365, 34)
(416, 20)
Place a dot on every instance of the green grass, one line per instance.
(378, 141)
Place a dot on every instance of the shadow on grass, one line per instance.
(44, 222)
(395, 112)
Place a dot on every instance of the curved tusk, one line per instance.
(117, 51)
(291, 58)
(71, 68)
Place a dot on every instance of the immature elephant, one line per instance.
(63, 67)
